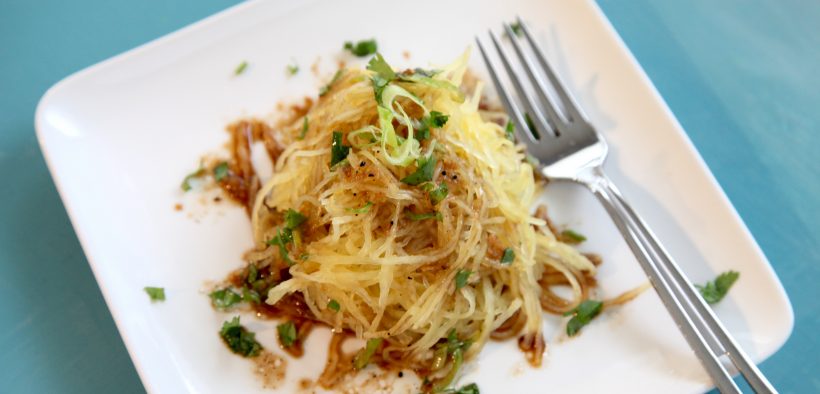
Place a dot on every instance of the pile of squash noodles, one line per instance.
(415, 230)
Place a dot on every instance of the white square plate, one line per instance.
(119, 137)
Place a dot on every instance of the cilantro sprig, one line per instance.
(714, 291)
(239, 339)
(287, 333)
(425, 166)
(338, 151)
(435, 120)
(224, 299)
(362, 48)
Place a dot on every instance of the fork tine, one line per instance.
(572, 109)
(521, 130)
(539, 122)
(552, 113)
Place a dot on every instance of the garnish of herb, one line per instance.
(293, 219)
(425, 166)
(424, 216)
(155, 293)
(714, 291)
(363, 356)
(240, 68)
(239, 340)
(384, 75)
(435, 120)
(362, 48)
(186, 183)
(338, 151)
(471, 388)
(251, 295)
(333, 305)
(287, 333)
(304, 129)
(461, 278)
(281, 239)
(455, 348)
(292, 69)
(438, 194)
(531, 125)
(224, 298)
(582, 315)
(572, 237)
(509, 131)
(363, 209)
(516, 28)
(324, 89)
(221, 171)
(508, 256)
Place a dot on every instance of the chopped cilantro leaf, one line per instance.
(155, 293)
(582, 315)
(240, 68)
(471, 388)
(239, 340)
(324, 89)
(224, 298)
(424, 216)
(438, 119)
(287, 333)
(364, 209)
(253, 274)
(453, 343)
(334, 305)
(363, 356)
(292, 69)
(378, 65)
(572, 237)
(293, 219)
(282, 238)
(251, 295)
(714, 291)
(516, 28)
(221, 171)
(338, 152)
(424, 171)
(461, 278)
(435, 120)
(508, 256)
(509, 131)
(531, 125)
(384, 75)
(186, 183)
(362, 48)
(304, 129)
(439, 194)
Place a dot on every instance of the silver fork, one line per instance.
(570, 149)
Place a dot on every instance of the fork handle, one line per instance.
(704, 333)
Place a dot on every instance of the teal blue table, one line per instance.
(741, 76)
